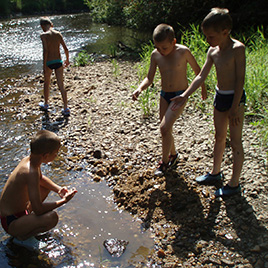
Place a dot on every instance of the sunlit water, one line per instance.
(91, 217)
(21, 47)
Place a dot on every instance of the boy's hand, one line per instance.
(234, 117)
(62, 192)
(178, 102)
(69, 195)
(66, 63)
(204, 93)
(136, 94)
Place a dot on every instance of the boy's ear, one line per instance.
(174, 41)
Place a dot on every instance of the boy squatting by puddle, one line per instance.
(172, 60)
(51, 40)
(228, 56)
(23, 210)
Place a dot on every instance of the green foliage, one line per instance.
(148, 101)
(83, 59)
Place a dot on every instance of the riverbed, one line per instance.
(92, 216)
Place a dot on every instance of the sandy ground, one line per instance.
(108, 134)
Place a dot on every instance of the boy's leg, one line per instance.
(168, 118)
(237, 147)
(59, 76)
(220, 123)
(47, 76)
(30, 225)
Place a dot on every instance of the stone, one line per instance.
(115, 247)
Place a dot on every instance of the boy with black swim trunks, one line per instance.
(23, 210)
(228, 56)
(172, 60)
(51, 40)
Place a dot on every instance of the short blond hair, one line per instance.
(219, 19)
(45, 21)
(163, 32)
(44, 141)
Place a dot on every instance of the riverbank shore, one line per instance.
(107, 135)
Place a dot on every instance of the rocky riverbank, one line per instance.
(108, 135)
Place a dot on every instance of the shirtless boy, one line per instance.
(228, 56)
(172, 60)
(51, 40)
(23, 210)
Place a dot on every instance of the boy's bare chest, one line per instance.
(174, 64)
(223, 60)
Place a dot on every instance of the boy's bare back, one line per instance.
(173, 67)
(52, 40)
(15, 197)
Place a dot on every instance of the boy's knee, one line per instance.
(164, 130)
(236, 146)
(52, 219)
(220, 137)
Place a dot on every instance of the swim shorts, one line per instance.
(5, 221)
(223, 102)
(169, 95)
(54, 64)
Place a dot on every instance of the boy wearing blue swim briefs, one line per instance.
(228, 56)
(51, 40)
(172, 60)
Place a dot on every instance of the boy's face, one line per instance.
(213, 37)
(49, 157)
(165, 47)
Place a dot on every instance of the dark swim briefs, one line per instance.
(169, 95)
(5, 221)
(223, 102)
(54, 64)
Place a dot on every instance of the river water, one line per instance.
(91, 217)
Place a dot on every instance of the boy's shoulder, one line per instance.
(237, 44)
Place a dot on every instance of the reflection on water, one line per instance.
(91, 217)
(21, 48)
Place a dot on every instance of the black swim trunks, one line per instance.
(169, 95)
(223, 102)
(54, 64)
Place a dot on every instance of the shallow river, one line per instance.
(91, 217)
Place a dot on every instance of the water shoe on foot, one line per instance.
(65, 112)
(209, 178)
(31, 243)
(43, 106)
(161, 169)
(227, 191)
(173, 159)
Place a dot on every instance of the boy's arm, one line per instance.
(39, 207)
(66, 51)
(45, 50)
(240, 69)
(196, 68)
(196, 83)
(148, 80)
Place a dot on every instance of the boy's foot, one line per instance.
(173, 159)
(43, 106)
(31, 243)
(227, 191)
(209, 178)
(161, 169)
(65, 112)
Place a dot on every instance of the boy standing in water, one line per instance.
(23, 210)
(172, 60)
(228, 56)
(51, 40)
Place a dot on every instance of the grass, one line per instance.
(256, 83)
(83, 58)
